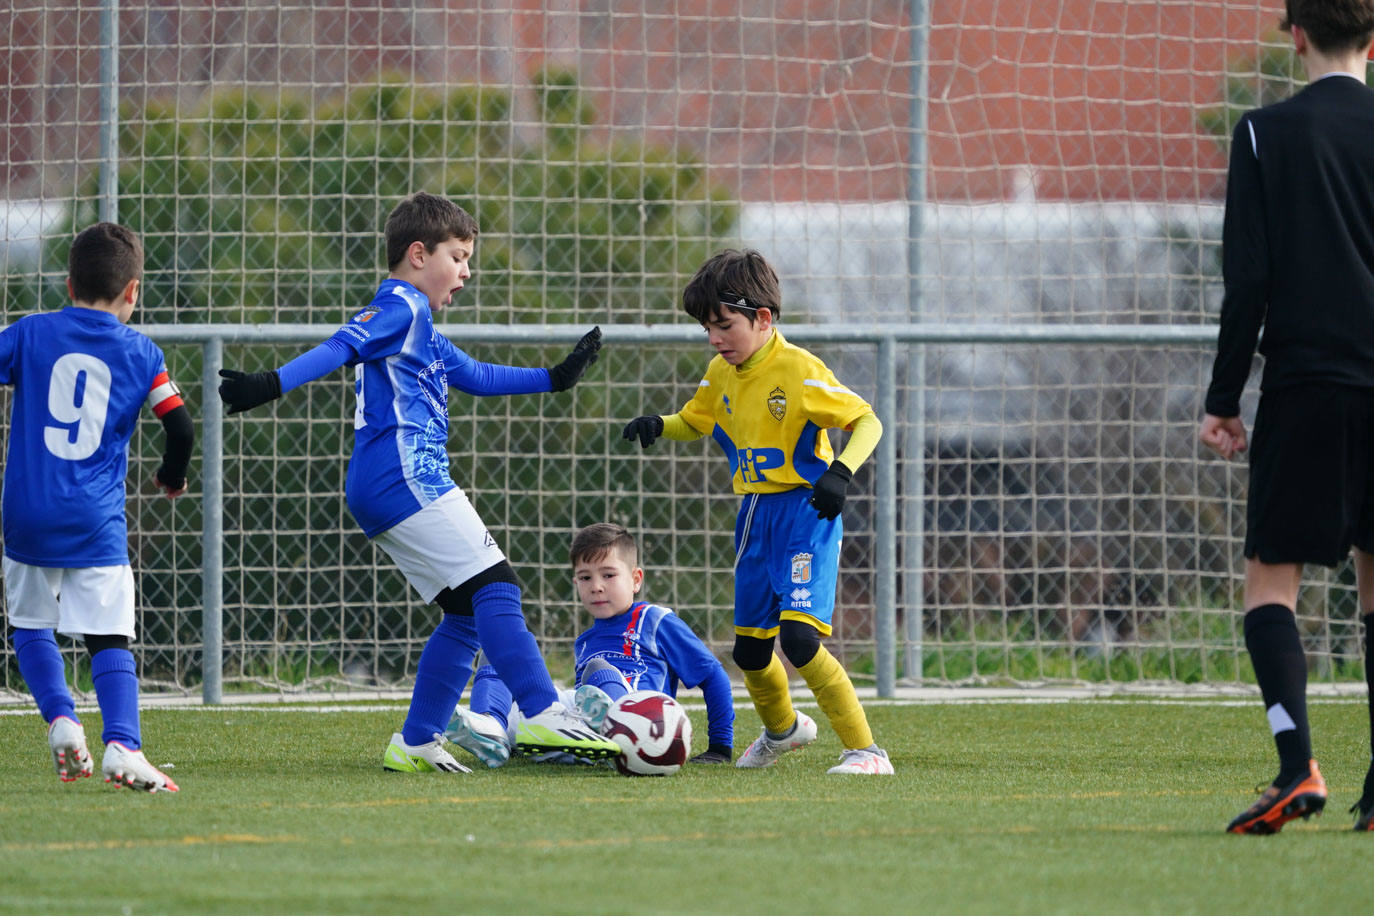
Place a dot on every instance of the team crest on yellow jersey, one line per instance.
(801, 568)
(777, 403)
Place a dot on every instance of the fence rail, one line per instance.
(888, 339)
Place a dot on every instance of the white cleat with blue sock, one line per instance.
(593, 704)
(555, 730)
(430, 757)
(67, 741)
(479, 734)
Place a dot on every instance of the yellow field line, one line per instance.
(545, 845)
(469, 801)
(214, 839)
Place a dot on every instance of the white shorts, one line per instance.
(442, 546)
(87, 601)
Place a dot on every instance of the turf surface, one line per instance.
(1004, 807)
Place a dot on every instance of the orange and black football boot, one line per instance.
(1303, 797)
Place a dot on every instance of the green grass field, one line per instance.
(1002, 807)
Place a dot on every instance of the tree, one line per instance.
(1253, 79)
(262, 205)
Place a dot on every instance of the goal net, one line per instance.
(1010, 165)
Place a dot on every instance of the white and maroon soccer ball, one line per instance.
(653, 731)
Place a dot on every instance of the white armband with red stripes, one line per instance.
(164, 395)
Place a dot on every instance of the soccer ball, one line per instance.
(653, 731)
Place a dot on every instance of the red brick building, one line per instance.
(1083, 100)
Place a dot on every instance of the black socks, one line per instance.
(1271, 636)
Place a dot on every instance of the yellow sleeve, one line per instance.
(678, 429)
(868, 429)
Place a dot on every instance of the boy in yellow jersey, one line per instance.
(768, 405)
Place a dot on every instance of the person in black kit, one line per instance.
(1298, 259)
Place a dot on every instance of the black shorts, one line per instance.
(1311, 475)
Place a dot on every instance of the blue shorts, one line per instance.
(786, 563)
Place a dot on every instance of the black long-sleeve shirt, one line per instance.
(1298, 244)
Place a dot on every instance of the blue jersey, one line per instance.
(80, 377)
(655, 649)
(403, 369)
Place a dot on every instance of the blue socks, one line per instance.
(608, 679)
(511, 648)
(116, 690)
(490, 695)
(113, 673)
(443, 672)
(40, 664)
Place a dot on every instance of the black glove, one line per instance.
(716, 753)
(645, 429)
(828, 493)
(565, 374)
(169, 479)
(245, 390)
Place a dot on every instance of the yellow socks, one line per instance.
(836, 697)
(768, 689)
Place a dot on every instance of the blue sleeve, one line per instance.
(695, 666)
(381, 329)
(477, 378)
(316, 363)
(720, 708)
(9, 345)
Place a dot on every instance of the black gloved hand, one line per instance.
(645, 429)
(245, 390)
(168, 479)
(828, 493)
(716, 753)
(565, 374)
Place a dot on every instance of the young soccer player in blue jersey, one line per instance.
(81, 377)
(631, 645)
(768, 404)
(399, 490)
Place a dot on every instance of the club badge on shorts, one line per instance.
(801, 568)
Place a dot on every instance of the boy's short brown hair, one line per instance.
(738, 281)
(1333, 26)
(427, 218)
(103, 259)
(602, 539)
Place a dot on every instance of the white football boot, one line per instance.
(67, 741)
(480, 735)
(765, 751)
(430, 757)
(558, 731)
(129, 768)
(871, 762)
(593, 704)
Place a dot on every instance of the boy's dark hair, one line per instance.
(103, 259)
(428, 218)
(740, 281)
(1333, 26)
(600, 540)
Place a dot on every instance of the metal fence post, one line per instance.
(212, 532)
(885, 526)
(109, 111)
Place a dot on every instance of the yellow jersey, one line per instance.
(771, 414)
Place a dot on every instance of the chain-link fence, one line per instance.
(1051, 166)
